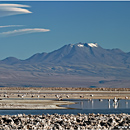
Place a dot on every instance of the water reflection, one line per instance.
(68, 105)
(92, 102)
(81, 104)
(109, 106)
(98, 104)
(115, 105)
(126, 104)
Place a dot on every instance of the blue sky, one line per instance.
(36, 27)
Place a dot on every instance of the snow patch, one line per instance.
(93, 44)
(80, 45)
(71, 45)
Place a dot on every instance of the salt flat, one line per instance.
(33, 104)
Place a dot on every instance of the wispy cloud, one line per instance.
(23, 31)
(6, 26)
(13, 9)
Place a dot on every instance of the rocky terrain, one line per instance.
(64, 122)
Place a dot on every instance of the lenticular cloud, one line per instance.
(13, 9)
(7, 26)
(23, 31)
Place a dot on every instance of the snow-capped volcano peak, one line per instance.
(87, 44)
(93, 44)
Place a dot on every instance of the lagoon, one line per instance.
(81, 106)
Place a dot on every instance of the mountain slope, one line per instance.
(76, 59)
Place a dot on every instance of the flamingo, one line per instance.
(100, 100)
(126, 98)
(67, 96)
(91, 95)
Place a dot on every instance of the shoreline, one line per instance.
(49, 94)
(29, 99)
(32, 104)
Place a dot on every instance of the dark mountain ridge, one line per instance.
(10, 60)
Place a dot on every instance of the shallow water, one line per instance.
(96, 104)
(81, 106)
(65, 111)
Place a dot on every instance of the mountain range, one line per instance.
(81, 59)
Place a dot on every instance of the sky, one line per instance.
(29, 27)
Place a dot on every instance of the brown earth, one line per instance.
(63, 88)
